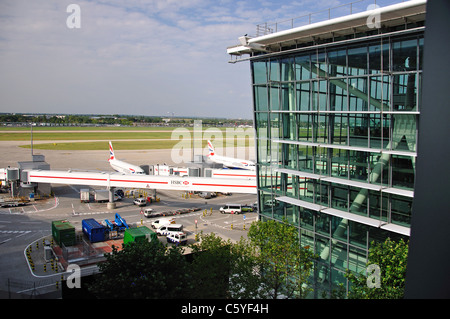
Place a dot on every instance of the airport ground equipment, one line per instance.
(121, 223)
(93, 230)
(63, 232)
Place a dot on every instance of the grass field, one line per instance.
(136, 138)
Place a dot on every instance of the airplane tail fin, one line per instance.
(111, 151)
(211, 149)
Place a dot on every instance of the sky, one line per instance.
(133, 57)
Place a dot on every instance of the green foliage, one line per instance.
(258, 267)
(391, 257)
(285, 264)
(143, 270)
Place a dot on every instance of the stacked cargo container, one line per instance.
(63, 232)
(139, 234)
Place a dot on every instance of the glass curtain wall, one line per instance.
(336, 127)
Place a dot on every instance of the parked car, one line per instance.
(140, 201)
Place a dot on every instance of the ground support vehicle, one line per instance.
(165, 230)
(177, 238)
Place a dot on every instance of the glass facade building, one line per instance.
(336, 131)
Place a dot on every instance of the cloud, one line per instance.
(129, 56)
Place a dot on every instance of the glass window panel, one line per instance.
(339, 255)
(357, 233)
(288, 97)
(358, 130)
(263, 149)
(357, 259)
(403, 171)
(358, 94)
(306, 238)
(287, 69)
(401, 210)
(292, 214)
(274, 92)
(265, 197)
(378, 58)
(404, 55)
(322, 95)
(274, 70)
(379, 93)
(337, 62)
(357, 60)
(358, 165)
(278, 210)
(404, 92)
(321, 244)
(322, 224)
(259, 72)
(404, 132)
(261, 124)
(303, 96)
(305, 127)
(338, 128)
(275, 126)
(338, 95)
(378, 205)
(339, 197)
(306, 189)
(265, 177)
(376, 130)
(302, 67)
(358, 200)
(339, 228)
(322, 129)
(420, 53)
(321, 161)
(261, 98)
(322, 193)
(305, 158)
(291, 156)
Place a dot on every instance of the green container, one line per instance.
(138, 234)
(63, 232)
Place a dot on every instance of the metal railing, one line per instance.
(327, 14)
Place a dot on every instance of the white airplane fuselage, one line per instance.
(121, 166)
(230, 162)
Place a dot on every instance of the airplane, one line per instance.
(123, 167)
(230, 162)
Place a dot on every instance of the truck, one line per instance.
(101, 195)
(84, 195)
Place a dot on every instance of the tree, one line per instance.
(390, 258)
(210, 268)
(143, 270)
(285, 264)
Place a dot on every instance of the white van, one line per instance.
(178, 238)
(162, 221)
(231, 209)
(165, 230)
(140, 201)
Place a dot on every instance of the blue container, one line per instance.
(93, 230)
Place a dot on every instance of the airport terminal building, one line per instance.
(336, 106)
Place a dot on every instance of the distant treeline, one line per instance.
(123, 120)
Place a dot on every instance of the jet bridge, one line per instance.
(113, 180)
